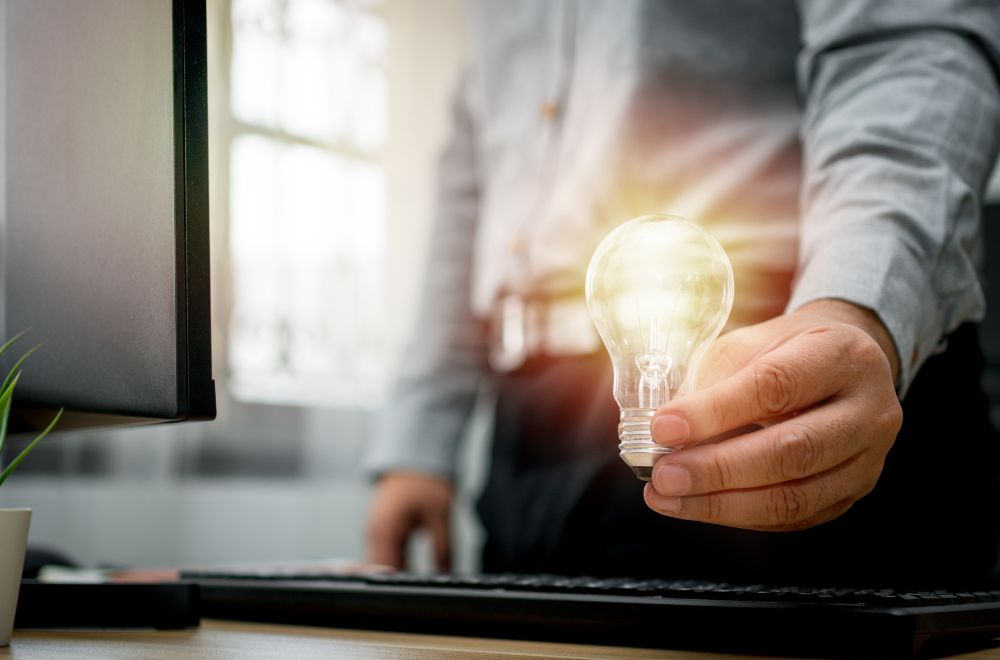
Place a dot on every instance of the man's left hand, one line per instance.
(816, 385)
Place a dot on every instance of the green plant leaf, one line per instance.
(14, 369)
(27, 450)
(12, 340)
(6, 404)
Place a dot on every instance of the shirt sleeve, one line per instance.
(445, 361)
(900, 131)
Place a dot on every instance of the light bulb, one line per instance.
(659, 290)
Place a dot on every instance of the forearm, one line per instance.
(902, 126)
(445, 360)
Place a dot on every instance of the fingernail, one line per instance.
(671, 479)
(668, 429)
(660, 503)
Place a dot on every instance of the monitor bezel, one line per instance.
(196, 388)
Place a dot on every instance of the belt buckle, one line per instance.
(509, 334)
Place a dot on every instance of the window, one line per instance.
(300, 315)
(307, 125)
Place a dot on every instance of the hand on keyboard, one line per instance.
(404, 503)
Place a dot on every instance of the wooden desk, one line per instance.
(218, 640)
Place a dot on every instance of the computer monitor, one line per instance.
(104, 209)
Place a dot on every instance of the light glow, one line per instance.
(659, 289)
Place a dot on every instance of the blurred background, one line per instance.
(326, 117)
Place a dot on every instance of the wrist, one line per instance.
(862, 318)
(410, 475)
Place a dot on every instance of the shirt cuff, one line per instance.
(422, 429)
(875, 273)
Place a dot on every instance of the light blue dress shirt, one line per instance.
(836, 148)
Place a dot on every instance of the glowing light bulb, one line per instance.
(659, 290)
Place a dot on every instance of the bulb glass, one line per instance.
(659, 290)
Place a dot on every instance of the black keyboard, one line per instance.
(680, 614)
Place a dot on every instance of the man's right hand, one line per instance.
(405, 502)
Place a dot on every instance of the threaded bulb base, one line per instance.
(636, 446)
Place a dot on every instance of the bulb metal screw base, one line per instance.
(636, 446)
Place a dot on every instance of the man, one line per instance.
(883, 119)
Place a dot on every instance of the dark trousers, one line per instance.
(559, 500)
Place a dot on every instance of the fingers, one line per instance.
(778, 383)
(787, 506)
(799, 447)
(387, 543)
(406, 502)
(792, 475)
(440, 533)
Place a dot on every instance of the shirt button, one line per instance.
(549, 110)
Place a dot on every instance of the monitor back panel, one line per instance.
(94, 253)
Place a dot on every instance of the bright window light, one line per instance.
(307, 202)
